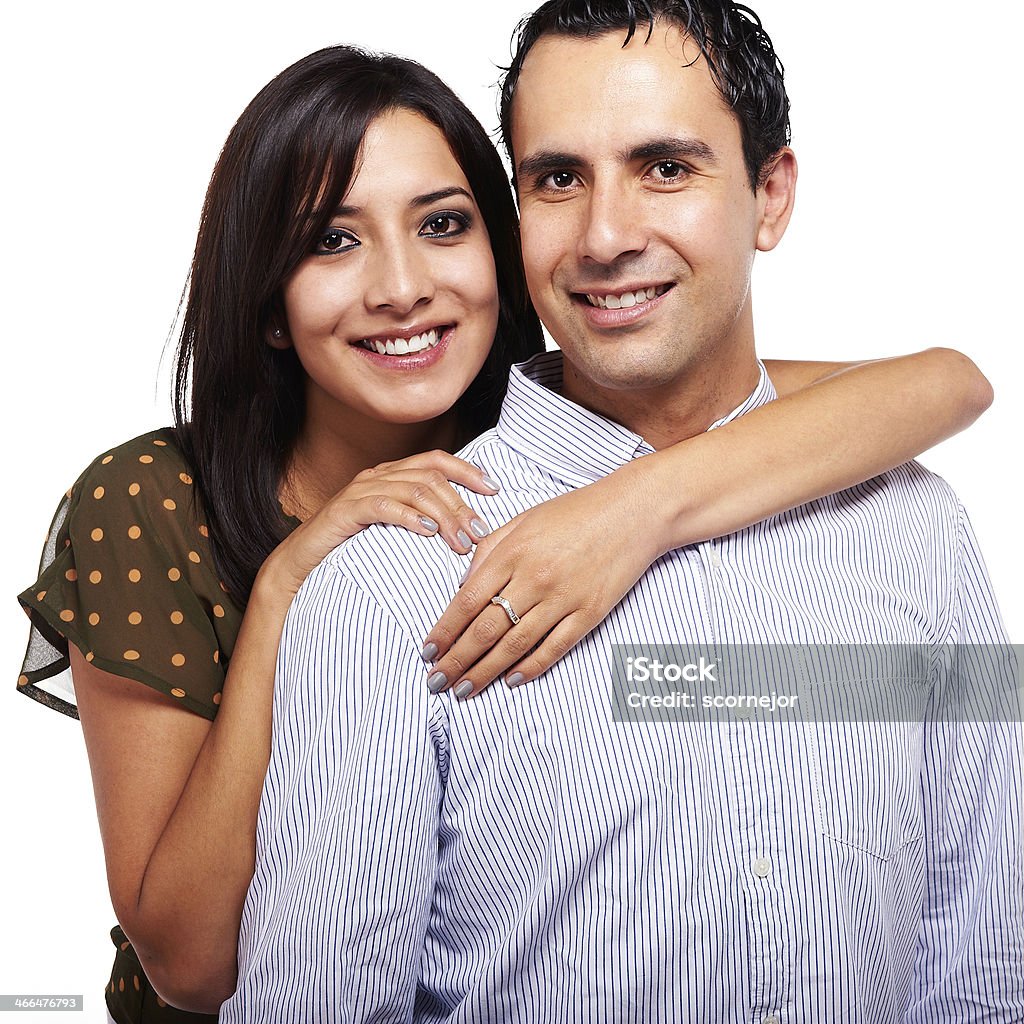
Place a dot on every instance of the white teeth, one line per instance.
(627, 299)
(403, 346)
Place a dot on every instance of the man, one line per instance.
(524, 856)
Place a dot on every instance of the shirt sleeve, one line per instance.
(334, 922)
(970, 963)
(127, 576)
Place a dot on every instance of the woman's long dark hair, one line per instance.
(288, 162)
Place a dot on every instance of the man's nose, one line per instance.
(614, 225)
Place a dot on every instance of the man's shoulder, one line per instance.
(909, 491)
(413, 577)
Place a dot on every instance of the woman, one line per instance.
(355, 299)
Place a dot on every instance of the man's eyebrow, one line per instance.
(671, 146)
(537, 165)
(416, 202)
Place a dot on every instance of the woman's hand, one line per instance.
(545, 564)
(413, 492)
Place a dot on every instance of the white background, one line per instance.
(906, 234)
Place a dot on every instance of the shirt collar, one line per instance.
(574, 444)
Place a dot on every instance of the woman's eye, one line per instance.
(335, 240)
(444, 225)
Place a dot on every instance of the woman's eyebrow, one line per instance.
(416, 202)
(442, 193)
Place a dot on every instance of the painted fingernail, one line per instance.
(489, 481)
(429, 523)
(479, 527)
(429, 652)
(463, 538)
(464, 689)
(515, 679)
(436, 681)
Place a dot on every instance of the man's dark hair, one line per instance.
(741, 58)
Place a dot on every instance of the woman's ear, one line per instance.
(277, 337)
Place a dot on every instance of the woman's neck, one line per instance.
(330, 451)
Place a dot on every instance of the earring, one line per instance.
(278, 333)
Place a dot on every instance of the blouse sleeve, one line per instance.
(127, 576)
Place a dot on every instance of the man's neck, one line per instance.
(672, 412)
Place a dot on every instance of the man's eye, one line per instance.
(666, 170)
(560, 179)
(444, 225)
(335, 240)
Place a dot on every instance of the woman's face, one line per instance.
(394, 311)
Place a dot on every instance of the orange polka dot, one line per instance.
(160, 1002)
(67, 542)
(170, 504)
(193, 556)
(97, 534)
(203, 531)
(216, 698)
(135, 618)
(131, 655)
(98, 493)
(23, 681)
(134, 533)
(134, 575)
(69, 492)
(216, 657)
(40, 595)
(218, 610)
(71, 575)
(223, 587)
(185, 478)
(67, 615)
(177, 692)
(136, 983)
(177, 618)
(120, 985)
(177, 660)
(108, 460)
(160, 444)
(95, 576)
(111, 986)
(94, 619)
(133, 489)
(90, 656)
(145, 459)
(174, 575)
(124, 946)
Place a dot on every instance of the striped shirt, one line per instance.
(523, 856)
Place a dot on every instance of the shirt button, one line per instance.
(716, 558)
(762, 867)
(771, 1019)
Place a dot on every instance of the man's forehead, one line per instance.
(576, 87)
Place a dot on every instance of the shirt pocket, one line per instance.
(865, 735)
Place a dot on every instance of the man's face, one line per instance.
(639, 223)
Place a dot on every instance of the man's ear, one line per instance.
(776, 196)
(277, 337)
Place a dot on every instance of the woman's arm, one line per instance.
(177, 796)
(835, 425)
